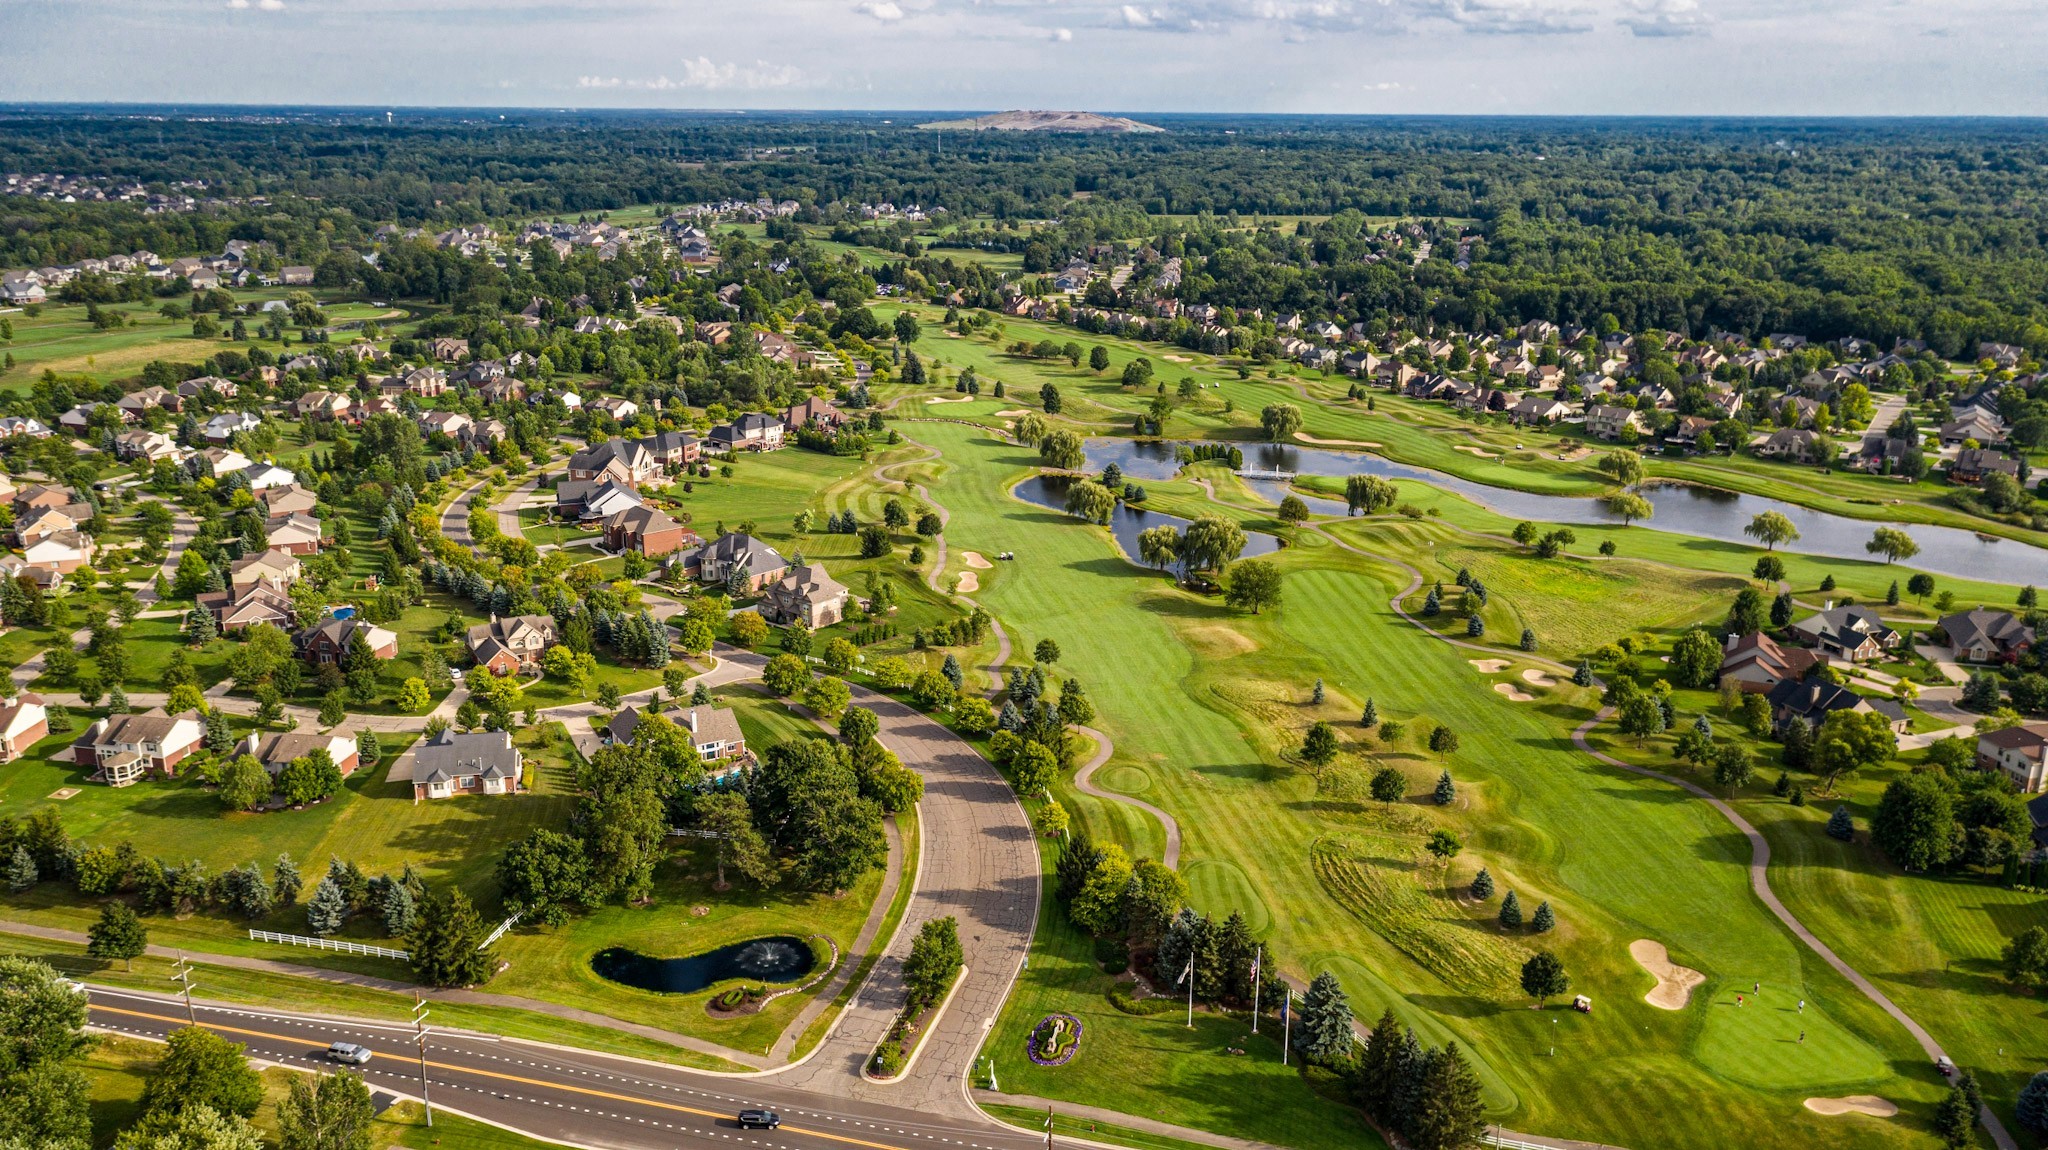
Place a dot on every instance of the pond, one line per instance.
(1682, 508)
(1051, 491)
(779, 959)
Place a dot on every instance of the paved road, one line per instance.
(455, 520)
(569, 1096)
(1084, 781)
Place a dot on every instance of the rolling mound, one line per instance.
(1042, 121)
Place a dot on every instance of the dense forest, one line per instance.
(1930, 230)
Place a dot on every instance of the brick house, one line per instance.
(327, 641)
(452, 764)
(24, 722)
(512, 643)
(648, 530)
(276, 750)
(124, 748)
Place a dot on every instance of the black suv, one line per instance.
(761, 1119)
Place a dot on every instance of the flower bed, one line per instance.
(1054, 1040)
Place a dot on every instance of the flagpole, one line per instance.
(1286, 1025)
(1257, 960)
(1191, 994)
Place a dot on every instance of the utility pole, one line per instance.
(419, 1024)
(1286, 1025)
(1048, 1128)
(183, 977)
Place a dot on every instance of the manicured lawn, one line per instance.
(1203, 704)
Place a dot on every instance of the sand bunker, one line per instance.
(1513, 693)
(1674, 982)
(1869, 1104)
(1537, 678)
(974, 559)
(1489, 666)
(949, 399)
(969, 582)
(1320, 442)
(1176, 359)
(1013, 413)
(1475, 451)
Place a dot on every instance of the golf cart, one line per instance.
(1582, 1004)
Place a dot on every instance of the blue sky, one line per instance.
(1726, 57)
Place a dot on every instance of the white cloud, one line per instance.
(1514, 17)
(705, 74)
(1062, 35)
(271, 5)
(1135, 17)
(1665, 18)
(887, 11)
(1382, 86)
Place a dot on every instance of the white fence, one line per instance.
(1512, 1143)
(341, 944)
(498, 933)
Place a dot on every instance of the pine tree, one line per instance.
(1370, 1083)
(951, 670)
(1433, 604)
(1446, 790)
(1955, 1120)
(1511, 911)
(1841, 825)
(368, 749)
(400, 911)
(329, 908)
(1315, 696)
(1528, 639)
(1325, 1020)
(200, 628)
(1544, 921)
(700, 696)
(444, 943)
(2032, 1107)
(1482, 885)
(1891, 597)
(219, 739)
(1448, 1113)
(1404, 1087)
(285, 882)
(1583, 677)
(117, 934)
(1371, 717)
(21, 871)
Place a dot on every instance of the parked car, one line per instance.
(759, 1119)
(348, 1052)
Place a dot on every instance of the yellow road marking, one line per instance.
(542, 1083)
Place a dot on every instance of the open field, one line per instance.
(1204, 703)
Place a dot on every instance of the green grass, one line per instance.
(1207, 703)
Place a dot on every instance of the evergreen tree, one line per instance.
(951, 670)
(1315, 696)
(1528, 639)
(1446, 790)
(1781, 610)
(1235, 952)
(219, 739)
(1433, 605)
(1482, 885)
(325, 1112)
(1404, 1087)
(285, 882)
(1371, 1083)
(444, 942)
(1448, 1112)
(1511, 911)
(1371, 717)
(117, 934)
(1842, 825)
(1325, 1030)
(329, 908)
(1543, 921)
(1176, 946)
(2032, 1108)
(1955, 1120)
(1583, 676)
(399, 910)
(21, 871)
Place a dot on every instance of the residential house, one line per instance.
(266, 475)
(328, 640)
(1985, 636)
(449, 423)
(139, 403)
(672, 448)
(810, 411)
(714, 561)
(1810, 701)
(1973, 464)
(1605, 422)
(750, 432)
(448, 350)
(78, 421)
(618, 732)
(222, 461)
(585, 500)
(648, 530)
(1757, 663)
(148, 445)
(221, 428)
(13, 425)
(1793, 443)
(321, 404)
(635, 465)
(275, 751)
(1853, 633)
(425, 382)
(124, 748)
(453, 764)
(806, 594)
(63, 552)
(15, 567)
(1973, 422)
(290, 499)
(34, 524)
(617, 407)
(24, 722)
(247, 604)
(715, 732)
(512, 643)
(297, 275)
(207, 385)
(2021, 752)
(297, 534)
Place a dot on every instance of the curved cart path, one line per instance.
(1084, 781)
(1760, 848)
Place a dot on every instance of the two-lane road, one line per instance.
(562, 1095)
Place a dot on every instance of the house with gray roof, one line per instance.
(453, 764)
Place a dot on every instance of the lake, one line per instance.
(779, 959)
(1682, 508)
(1051, 491)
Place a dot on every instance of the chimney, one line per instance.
(1828, 606)
(693, 720)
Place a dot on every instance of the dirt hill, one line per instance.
(1030, 121)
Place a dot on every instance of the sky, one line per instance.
(1536, 57)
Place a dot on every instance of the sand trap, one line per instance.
(1674, 982)
(1869, 1104)
(1306, 438)
(1470, 450)
(1013, 413)
(1489, 666)
(1537, 678)
(949, 399)
(974, 559)
(969, 581)
(1513, 693)
(1176, 359)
